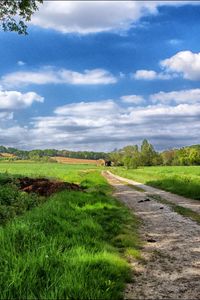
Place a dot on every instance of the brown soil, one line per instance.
(45, 187)
(79, 161)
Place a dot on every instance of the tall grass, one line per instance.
(181, 180)
(71, 247)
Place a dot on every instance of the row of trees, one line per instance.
(41, 154)
(130, 156)
(182, 157)
(133, 156)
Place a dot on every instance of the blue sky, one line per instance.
(102, 75)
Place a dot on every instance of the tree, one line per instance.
(14, 14)
(147, 153)
(131, 158)
(116, 158)
(194, 156)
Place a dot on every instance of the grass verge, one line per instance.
(180, 180)
(73, 246)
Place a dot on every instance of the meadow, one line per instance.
(73, 245)
(181, 180)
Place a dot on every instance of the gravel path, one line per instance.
(179, 200)
(172, 249)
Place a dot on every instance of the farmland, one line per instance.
(70, 245)
(68, 160)
(181, 180)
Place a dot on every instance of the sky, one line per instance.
(100, 75)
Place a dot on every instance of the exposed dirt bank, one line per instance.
(44, 186)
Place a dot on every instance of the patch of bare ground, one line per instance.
(171, 265)
(45, 187)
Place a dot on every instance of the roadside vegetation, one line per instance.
(71, 246)
(181, 180)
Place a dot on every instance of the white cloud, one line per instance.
(21, 63)
(85, 17)
(185, 63)
(105, 125)
(150, 75)
(182, 96)
(5, 115)
(91, 108)
(12, 100)
(48, 75)
(172, 119)
(133, 99)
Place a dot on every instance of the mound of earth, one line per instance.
(45, 187)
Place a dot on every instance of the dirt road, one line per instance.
(171, 250)
(176, 199)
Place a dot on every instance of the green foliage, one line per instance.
(183, 157)
(14, 14)
(181, 180)
(14, 202)
(68, 248)
(132, 157)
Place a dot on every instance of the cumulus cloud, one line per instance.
(182, 96)
(171, 119)
(184, 63)
(84, 17)
(90, 16)
(150, 75)
(133, 99)
(50, 76)
(12, 100)
(105, 125)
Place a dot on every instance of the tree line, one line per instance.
(47, 153)
(133, 156)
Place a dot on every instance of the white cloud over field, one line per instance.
(108, 124)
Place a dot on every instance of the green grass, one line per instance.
(73, 246)
(181, 180)
(70, 173)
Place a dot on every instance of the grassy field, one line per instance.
(73, 245)
(70, 173)
(181, 180)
